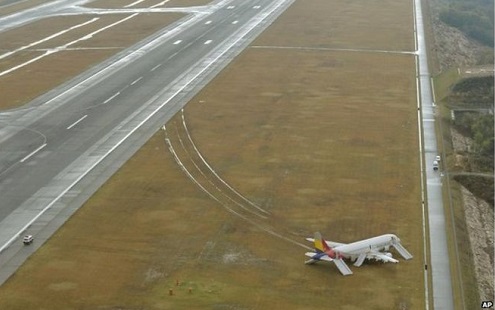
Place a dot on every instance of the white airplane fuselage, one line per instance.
(379, 243)
(358, 251)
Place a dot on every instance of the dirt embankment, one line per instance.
(479, 220)
(452, 47)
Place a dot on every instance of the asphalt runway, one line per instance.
(439, 255)
(58, 150)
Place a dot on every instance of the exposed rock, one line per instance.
(479, 220)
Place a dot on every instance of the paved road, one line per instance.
(439, 254)
(58, 151)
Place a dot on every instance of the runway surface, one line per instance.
(56, 152)
(439, 254)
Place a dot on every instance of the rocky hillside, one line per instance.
(453, 48)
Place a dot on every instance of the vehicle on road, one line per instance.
(435, 165)
(28, 239)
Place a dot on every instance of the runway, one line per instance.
(439, 255)
(55, 153)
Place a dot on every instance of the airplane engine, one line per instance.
(378, 259)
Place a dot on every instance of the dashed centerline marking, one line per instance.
(134, 3)
(256, 7)
(235, 22)
(208, 22)
(115, 95)
(172, 56)
(77, 122)
(230, 7)
(177, 42)
(33, 152)
(156, 67)
(208, 42)
(137, 80)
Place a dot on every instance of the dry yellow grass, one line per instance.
(323, 140)
(380, 24)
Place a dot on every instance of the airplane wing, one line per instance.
(384, 258)
(331, 244)
(402, 250)
(341, 265)
(377, 256)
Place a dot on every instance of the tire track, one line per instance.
(186, 157)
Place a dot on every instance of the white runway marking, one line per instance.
(108, 100)
(48, 38)
(208, 22)
(159, 4)
(156, 67)
(177, 42)
(256, 7)
(77, 122)
(230, 7)
(235, 22)
(333, 49)
(134, 3)
(208, 42)
(63, 47)
(32, 153)
(172, 56)
(137, 80)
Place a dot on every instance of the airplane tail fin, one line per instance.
(320, 244)
(324, 252)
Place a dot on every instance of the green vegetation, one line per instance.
(482, 129)
(473, 17)
(476, 91)
(480, 186)
(443, 83)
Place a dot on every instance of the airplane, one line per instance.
(357, 251)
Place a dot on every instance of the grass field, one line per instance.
(317, 138)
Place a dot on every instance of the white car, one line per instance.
(435, 165)
(28, 239)
(437, 158)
